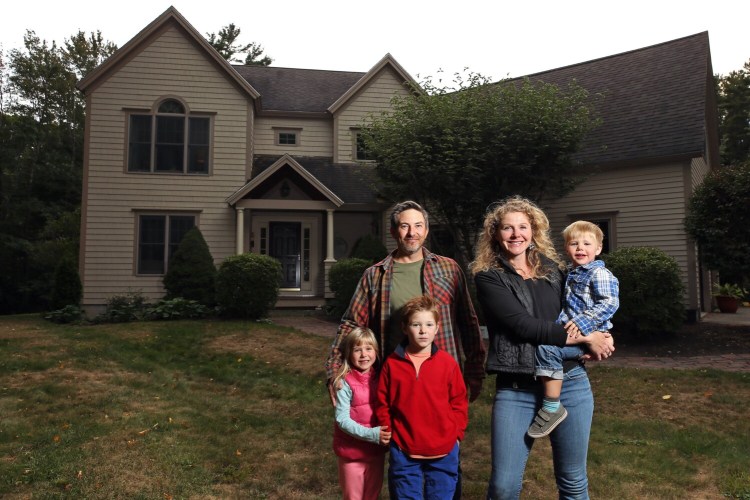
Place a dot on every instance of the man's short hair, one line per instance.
(404, 206)
(583, 226)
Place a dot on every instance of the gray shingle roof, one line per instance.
(353, 183)
(289, 89)
(654, 100)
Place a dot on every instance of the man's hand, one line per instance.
(475, 388)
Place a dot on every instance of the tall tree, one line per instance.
(456, 150)
(226, 44)
(734, 115)
(41, 127)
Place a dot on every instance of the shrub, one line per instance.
(68, 314)
(192, 273)
(343, 279)
(124, 308)
(247, 285)
(177, 308)
(369, 248)
(651, 291)
(66, 284)
(718, 220)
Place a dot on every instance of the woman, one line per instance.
(519, 282)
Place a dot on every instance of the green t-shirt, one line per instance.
(406, 284)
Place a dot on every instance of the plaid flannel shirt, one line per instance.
(445, 282)
(591, 298)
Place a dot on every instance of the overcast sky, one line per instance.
(495, 38)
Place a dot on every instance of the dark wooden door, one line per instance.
(285, 246)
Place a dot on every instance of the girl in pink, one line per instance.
(358, 443)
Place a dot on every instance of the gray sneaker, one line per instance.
(545, 422)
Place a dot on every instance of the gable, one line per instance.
(171, 19)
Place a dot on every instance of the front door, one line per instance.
(285, 246)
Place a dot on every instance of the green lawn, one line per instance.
(214, 409)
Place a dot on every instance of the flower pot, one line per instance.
(727, 304)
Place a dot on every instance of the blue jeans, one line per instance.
(415, 478)
(548, 359)
(512, 413)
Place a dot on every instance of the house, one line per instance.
(261, 159)
(658, 140)
(267, 160)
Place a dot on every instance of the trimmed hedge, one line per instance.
(192, 273)
(651, 291)
(247, 285)
(66, 284)
(369, 248)
(343, 279)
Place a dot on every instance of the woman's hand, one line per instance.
(600, 345)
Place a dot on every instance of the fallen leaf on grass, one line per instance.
(238, 453)
(708, 394)
(80, 474)
(56, 438)
(667, 396)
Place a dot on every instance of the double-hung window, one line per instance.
(158, 238)
(171, 140)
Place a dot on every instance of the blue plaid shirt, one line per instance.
(591, 298)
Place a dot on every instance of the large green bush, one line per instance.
(247, 285)
(66, 284)
(192, 273)
(343, 279)
(718, 219)
(370, 248)
(651, 291)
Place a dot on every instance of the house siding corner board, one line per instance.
(373, 98)
(169, 67)
(649, 203)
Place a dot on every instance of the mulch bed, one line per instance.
(699, 339)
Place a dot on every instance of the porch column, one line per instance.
(240, 236)
(329, 237)
(330, 261)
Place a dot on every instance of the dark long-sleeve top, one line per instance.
(520, 315)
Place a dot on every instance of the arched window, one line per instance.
(171, 140)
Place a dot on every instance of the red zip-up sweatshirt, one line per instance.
(426, 413)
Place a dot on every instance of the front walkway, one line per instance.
(315, 323)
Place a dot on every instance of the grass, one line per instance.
(212, 409)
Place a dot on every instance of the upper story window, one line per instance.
(361, 153)
(287, 137)
(170, 140)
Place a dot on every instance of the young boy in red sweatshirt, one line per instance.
(422, 398)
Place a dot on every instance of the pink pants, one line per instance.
(361, 479)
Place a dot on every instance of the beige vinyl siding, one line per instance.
(314, 136)
(649, 202)
(698, 171)
(170, 67)
(373, 98)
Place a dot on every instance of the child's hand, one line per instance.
(572, 330)
(385, 435)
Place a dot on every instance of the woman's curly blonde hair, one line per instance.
(489, 249)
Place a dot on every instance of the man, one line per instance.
(409, 271)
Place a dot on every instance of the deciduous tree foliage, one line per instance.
(41, 155)
(458, 150)
(718, 219)
(734, 115)
(226, 44)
